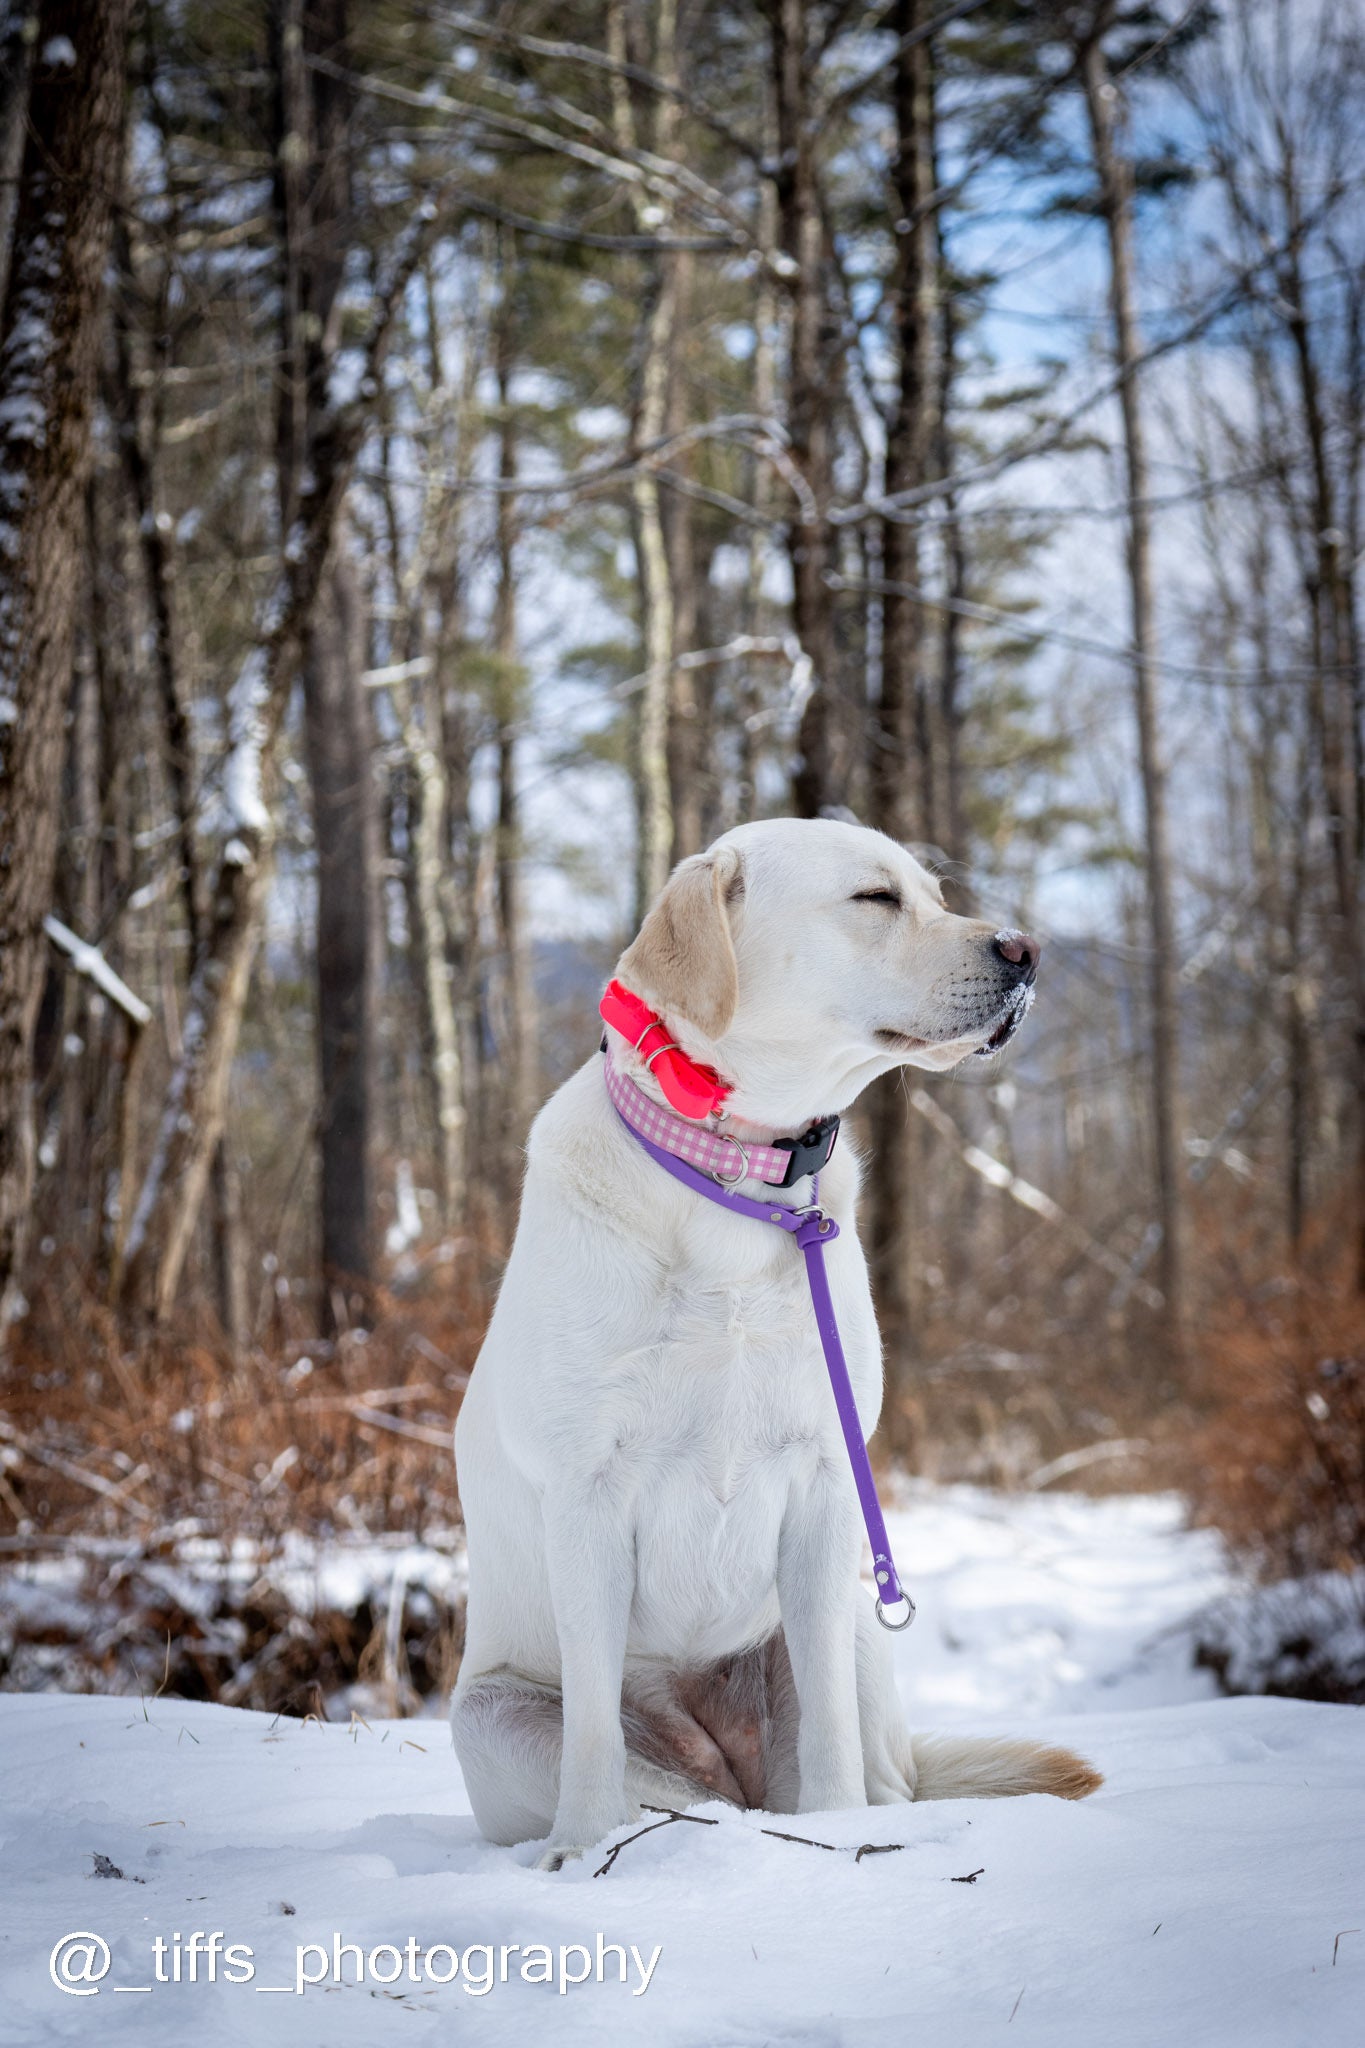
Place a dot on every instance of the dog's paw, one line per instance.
(555, 1857)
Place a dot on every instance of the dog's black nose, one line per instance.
(1019, 950)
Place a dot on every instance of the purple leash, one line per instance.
(813, 1230)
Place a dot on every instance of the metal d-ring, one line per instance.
(896, 1626)
(735, 1178)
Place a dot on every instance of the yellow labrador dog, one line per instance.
(664, 1543)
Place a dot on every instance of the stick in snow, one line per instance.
(669, 1816)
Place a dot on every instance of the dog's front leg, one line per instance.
(590, 1562)
(817, 1576)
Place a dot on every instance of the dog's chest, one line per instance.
(738, 1350)
(728, 1411)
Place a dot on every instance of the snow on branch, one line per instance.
(243, 801)
(999, 1176)
(89, 961)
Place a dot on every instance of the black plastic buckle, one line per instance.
(809, 1152)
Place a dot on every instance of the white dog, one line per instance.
(664, 1542)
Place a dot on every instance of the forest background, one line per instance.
(455, 463)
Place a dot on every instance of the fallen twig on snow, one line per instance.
(803, 1841)
(669, 1816)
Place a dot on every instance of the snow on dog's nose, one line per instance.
(1019, 950)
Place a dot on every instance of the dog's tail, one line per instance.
(965, 1767)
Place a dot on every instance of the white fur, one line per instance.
(650, 1463)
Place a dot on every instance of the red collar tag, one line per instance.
(692, 1089)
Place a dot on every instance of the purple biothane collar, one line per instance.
(781, 1164)
(813, 1230)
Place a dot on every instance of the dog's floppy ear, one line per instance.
(683, 962)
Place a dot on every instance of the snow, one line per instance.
(406, 1228)
(1305, 1636)
(23, 417)
(89, 961)
(1211, 1892)
(242, 796)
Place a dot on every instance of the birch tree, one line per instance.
(655, 343)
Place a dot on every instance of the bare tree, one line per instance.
(194, 1104)
(689, 699)
(49, 343)
(17, 39)
(313, 186)
(1280, 119)
(901, 764)
(822, 773)
(1114, 172)
(655, 344)
(518, 1022)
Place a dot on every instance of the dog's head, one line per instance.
(801, 958)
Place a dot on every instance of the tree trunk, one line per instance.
(755, 606)
(316, 222)
(16, 73)
(229, 1266)
(518, 1029)
(191, 1121)
(428, 854)
(138, 447)
(195, 1105)
(434, 771)
(952, 814)
(822, 772)
(654, 842)
(1114, 173)
(158, 566)
(688, 698)
(655, 846)
(900, 772)
(452, 733)
(49, 352)
(900, 779)
(346, 849)
(1334, 698)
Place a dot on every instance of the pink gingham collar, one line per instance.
(727, 1160)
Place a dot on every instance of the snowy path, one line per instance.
(1194, 1902)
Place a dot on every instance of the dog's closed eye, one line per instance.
(890, 896)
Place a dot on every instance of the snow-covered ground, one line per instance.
(1212, 1893)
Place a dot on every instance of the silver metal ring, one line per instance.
(813, 1211)
(896, 1626)
(658, 1053)
(735, 1178)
